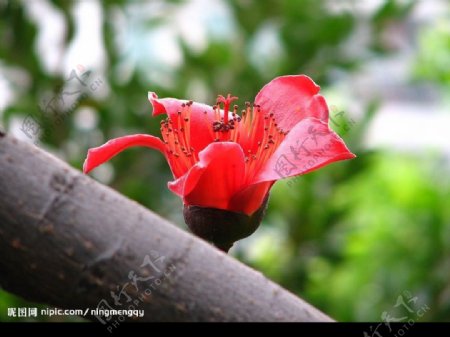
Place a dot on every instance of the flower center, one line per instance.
(257, 132)
(254, 130)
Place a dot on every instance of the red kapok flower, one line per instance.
(226, 161)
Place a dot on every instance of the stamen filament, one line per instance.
(245, 130)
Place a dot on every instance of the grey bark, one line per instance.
(70, 242)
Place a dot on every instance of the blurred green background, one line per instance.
(351, 238)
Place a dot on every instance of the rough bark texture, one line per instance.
(68, 241)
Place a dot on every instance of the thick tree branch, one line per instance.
(68, 241)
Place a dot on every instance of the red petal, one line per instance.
(250, 198)
(98, 155)
(310, 145)
(200, 123)
(291, 99)
(213, 181)
(177, 186)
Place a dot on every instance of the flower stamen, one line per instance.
(226, 105)
(177, 137)
(257, 133)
